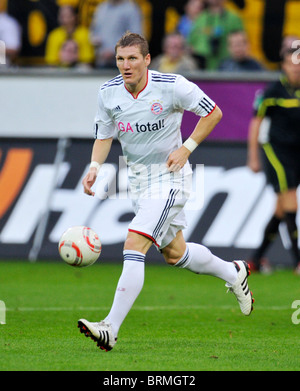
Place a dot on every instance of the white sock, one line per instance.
(200, 260)
(129, 286)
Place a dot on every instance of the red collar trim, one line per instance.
(135, 97)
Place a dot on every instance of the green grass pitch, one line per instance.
(180, 321)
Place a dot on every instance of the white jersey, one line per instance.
(148, 126)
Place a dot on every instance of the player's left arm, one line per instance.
(204, 127)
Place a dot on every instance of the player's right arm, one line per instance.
(100, 152)
(104, 129)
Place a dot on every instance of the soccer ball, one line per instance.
(79, 246)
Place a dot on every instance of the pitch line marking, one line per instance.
(141, 308)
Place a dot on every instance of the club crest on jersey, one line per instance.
(156, 108)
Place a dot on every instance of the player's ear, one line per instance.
(148, 59)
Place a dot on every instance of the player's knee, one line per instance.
(137, 242)
(129, 243)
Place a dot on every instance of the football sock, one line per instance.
(199, 259)
(270, 234)
(129, 286)
(290, 219)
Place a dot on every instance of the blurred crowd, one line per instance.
(207, 36)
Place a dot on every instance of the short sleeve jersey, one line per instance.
(148, 126)
(281, 104)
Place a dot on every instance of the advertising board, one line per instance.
(41, 196)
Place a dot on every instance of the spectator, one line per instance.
(208, 36)
(174, 58)
(239, 59)
(69, 54)
(10, 34)
(111, 20)
(68, 29)
(192, 10)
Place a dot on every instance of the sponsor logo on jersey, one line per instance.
(141, 128)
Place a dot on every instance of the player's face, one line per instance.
(292, 70)
(133, 67)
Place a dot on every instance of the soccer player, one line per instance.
(146, 108)
(279, 106)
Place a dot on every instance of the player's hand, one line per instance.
(254, 164)
(88, 181)
(177, 159)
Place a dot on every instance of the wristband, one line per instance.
(95, 165)
(190, 144)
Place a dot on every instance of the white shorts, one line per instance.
(160, 216)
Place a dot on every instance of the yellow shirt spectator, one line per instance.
(58, 36)
(68, 30)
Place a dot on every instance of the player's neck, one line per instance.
(135, 89)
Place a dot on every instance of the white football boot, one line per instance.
(240, 287)
(100, 332)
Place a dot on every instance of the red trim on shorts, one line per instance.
(210, 112)
(143, 234)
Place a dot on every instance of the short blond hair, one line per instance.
(133, 39)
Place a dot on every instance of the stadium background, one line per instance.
(266, 21)
(46, 138)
